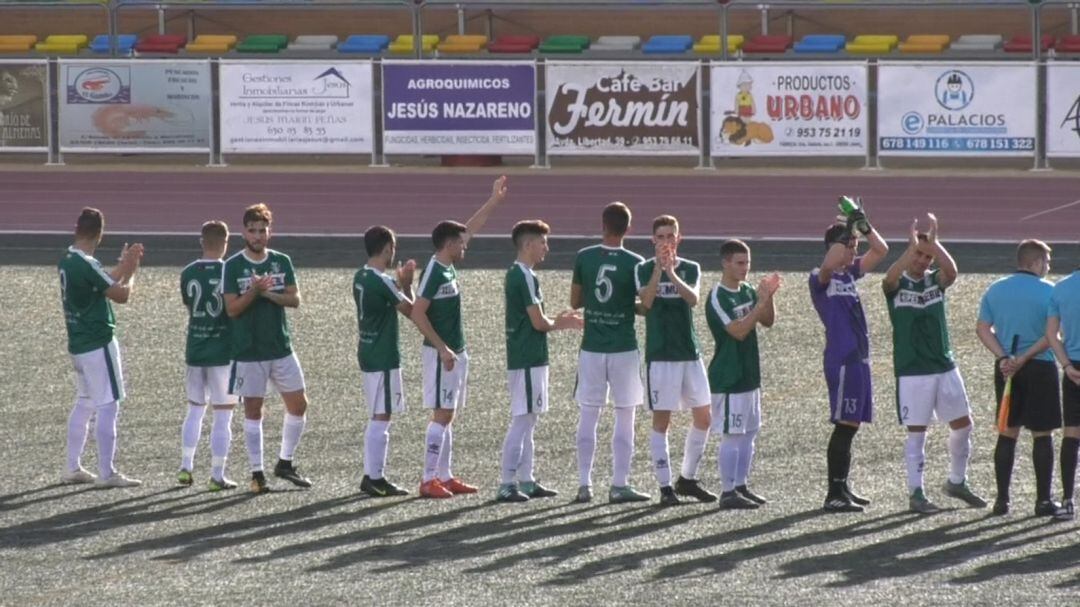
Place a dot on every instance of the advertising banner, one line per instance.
(788, 109)
(149, 106)
(23, 106)
(1062, 109)
(280, 107)
(459, 108)
(623, 109)
(956, 110)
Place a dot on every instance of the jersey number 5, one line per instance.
(604, 288)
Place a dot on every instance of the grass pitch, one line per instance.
(160, 544)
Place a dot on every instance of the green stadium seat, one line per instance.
(263, 43)
(565, 44)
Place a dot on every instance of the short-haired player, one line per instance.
(1063, 335)
(527, 327)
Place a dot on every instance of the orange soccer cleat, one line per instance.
(434, 489)
(457, 487)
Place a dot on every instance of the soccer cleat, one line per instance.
(745, 491)
(584, 495)
(219, 484)
(962, 492)
(1001, 507)
(691, 487)
(77, 477)
(733, 500)
(434, 489)
(380, 487)
(918, 503)
(510, 493)
(184, 478)
(668, 497)
(627, 494)
(841, 503)
(1067, 512)
(115, 481)
(534, 489)
(285, 471)
(855, 498)
(457, 487)
(1046, 508)
(258, 482)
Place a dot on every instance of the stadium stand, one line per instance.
(161, 43)
(125, 44)
(616, 43)
(514, 44)
(820, 43)
(925, 43)
(371, 44)
(462, 44)
(17, 43)
(710, 43)
(768, 43)
(667, 45)
(63, 44)
(564, 44)
(212, 44)
(1068, 44)
(872, 44)
(263, 43)
(1022, 43)
(977, 42)
(405, 44)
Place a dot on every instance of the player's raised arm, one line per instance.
(945, 261)
(405, 275)
(763, 310)
(891, 282)
(480, 217)
(124, 273)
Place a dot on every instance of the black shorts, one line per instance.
(1035, 402)
(1070, 399)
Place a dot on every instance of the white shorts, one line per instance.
(98, 375)
(619, 371)
(528, 390)
(249, 378)
(922, 398)
(383, 393)
(444, 389)
(209, 385)
(737, 413)
(677, 385)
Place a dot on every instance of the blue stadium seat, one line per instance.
(364, 43)
(125, 43)
(667, 44)
(821, 43)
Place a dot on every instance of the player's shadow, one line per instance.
(1034, 564)
(16, 501)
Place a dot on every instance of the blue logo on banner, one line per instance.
(333, 84)
(912, 122)
(99, 85)
(954, 90)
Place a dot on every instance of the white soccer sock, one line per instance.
(727, 456)
(445, 455)
(105, 434)
(915, 457)
(746, 457)
(514, 445)
(376, 439)
(189, 435)
(253, 438)
(292, 428)
(78, 428)
(692, 452)
(220, 439)
(433, 441)
(528, 453)
(658, 448)
(959, 453)
(586, 442)
(622, 445)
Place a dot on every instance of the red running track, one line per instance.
(755, 205)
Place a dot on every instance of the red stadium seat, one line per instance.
(514, 44)
(768, 44)
(1068, 44)
(1022, 44)
(161, 43)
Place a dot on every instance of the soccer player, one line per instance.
(527, 361)
(1063, 335)
(928, 384)
(86, 291)
(437, 313)
(379, 298)
(847, 347)
(207, 357)
(604, 285)
(259, 283)
(675, 377)
(1012, 326)
(734, 311)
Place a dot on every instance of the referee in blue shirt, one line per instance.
(1063, 334)
(1012, 325)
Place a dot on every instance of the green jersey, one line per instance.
(920, 334)
(525, 346)
(87, 312)
(208, 342)
(262, 331)
(735, 366)
(669, 323)
(439, 285)
(606, 277)
(377, 297)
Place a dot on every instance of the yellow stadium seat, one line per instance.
(925, 43)
(403, 44)
(710, 43)
(63, 44)
(17, 43)
(872, 44)
(211, 43)
(456, 43)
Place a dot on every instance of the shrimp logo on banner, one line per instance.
(99, 85)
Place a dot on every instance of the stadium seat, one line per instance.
(872, 44)
(1022, 43)
(318, 42)
(404, 44)
(263, 43)
(976, 43)
(667, 45)
(461, 43)
(125, 43)
(711, 43)
(211, 44)
(161, 43)
(63, 44)
(925, 43)
(359, 43)
(1068, 44)
(564, 44)
(17, 43)
(616, 43)
(820, 43)
(768, 43)
(514, 44)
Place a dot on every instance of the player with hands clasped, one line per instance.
(928, 384)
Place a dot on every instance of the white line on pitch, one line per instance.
(1064, 206)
